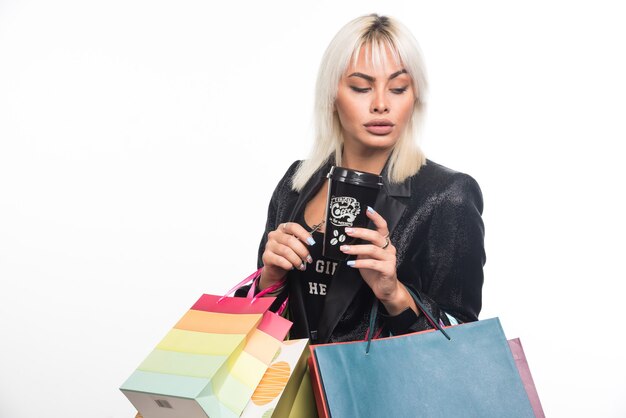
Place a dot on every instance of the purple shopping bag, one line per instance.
(524, 371)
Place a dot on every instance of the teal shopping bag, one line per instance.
(473, 374)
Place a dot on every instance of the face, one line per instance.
(374, 106)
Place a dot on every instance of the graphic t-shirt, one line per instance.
(315, 280)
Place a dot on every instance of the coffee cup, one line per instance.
(350, 192)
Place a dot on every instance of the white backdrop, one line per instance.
(126, 126)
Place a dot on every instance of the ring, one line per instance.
(386, 243)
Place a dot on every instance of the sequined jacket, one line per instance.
(434, 219)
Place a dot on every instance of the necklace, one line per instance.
(317, 226)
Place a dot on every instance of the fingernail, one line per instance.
(310, 241)
(370, 210)
(309, 258)
(345, 248)
(351, 263)
(302, 266)
(349, 230)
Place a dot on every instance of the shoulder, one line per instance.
(445, 185)
(293, 167)
(284, 184)
(286, 180)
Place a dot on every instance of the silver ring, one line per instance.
(386, 243)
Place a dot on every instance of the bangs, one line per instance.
(374, 46)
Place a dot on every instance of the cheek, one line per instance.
(406, 110)
(346, 109)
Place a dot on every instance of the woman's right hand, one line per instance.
(285, 249)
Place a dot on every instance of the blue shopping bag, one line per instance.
(472, 374)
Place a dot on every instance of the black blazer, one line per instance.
(434, 219)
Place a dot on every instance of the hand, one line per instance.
(377, 265)
(286, 249)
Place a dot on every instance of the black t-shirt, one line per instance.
(315, 280)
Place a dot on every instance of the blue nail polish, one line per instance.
(351, 263)
(370, 210)
(310, 241)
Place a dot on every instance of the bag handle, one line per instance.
(370, 335)
(420, 305)
(254, 277)
(428, 315)
(270, 289)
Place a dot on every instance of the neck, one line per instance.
(367, 160)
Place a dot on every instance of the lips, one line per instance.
(379, 126)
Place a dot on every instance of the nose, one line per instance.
(379, 102)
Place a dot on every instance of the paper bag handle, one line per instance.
(420, 305)
(244, 281)
(253, 277)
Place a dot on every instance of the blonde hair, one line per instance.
(380, 33)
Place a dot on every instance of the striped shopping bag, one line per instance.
(210, 363)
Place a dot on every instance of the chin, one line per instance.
(380, 142)
(375, 142)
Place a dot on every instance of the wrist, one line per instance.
(266, 281)
(399, 300)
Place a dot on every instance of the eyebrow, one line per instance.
(370, 78)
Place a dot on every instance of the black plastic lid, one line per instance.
(358, 178)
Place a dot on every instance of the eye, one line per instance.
(360, 90)
(400, 90)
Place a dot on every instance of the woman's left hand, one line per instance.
(376, 264)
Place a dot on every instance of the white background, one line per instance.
(140, 142)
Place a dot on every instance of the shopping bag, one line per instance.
(524, 370)
(235, 385)
(190, 367)
(304, 404)
(276, 393)
(421, 374)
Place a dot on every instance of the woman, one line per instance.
(426, 233)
